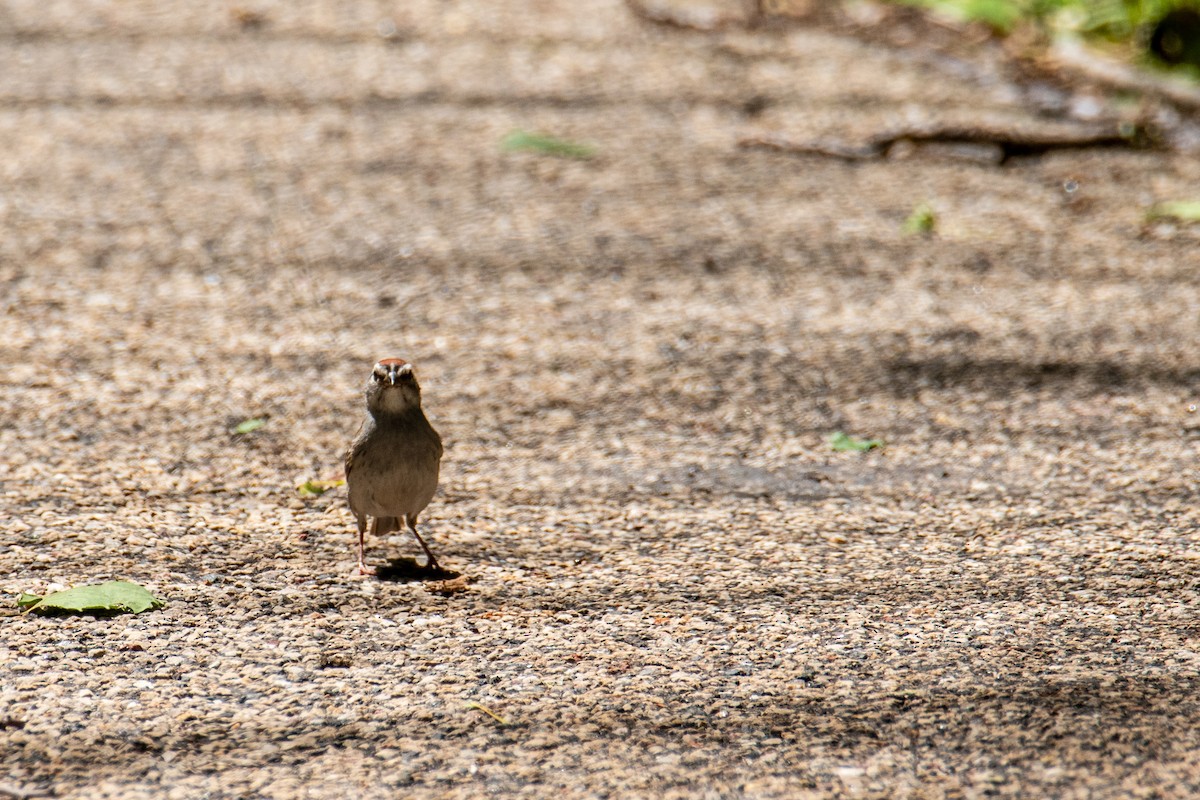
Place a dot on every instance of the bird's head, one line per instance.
(392, 388)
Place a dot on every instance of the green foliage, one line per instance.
(1116, 20)
(113, 597)
(547, 145)
(1001, 15)
(844, 443)
(250, 425)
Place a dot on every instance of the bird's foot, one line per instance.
(363, 569)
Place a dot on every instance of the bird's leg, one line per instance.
(431, 563)
(363, 569)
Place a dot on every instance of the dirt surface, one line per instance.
(670, 585)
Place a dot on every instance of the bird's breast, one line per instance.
(394, 474)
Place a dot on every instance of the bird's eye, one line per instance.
(377, 376)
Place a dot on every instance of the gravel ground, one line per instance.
(670, 584)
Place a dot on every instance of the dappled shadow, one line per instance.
(1003, 375)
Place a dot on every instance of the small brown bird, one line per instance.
(392, 467)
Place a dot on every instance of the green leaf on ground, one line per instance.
(547, 145)
(318, 487)
(844, 443)
(921, 220)
(118, 596)
(480, 707)
(250, 425)
(1178, 210)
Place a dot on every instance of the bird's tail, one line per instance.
(387, 525)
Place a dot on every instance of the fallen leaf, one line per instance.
(451, 587)
(843, 443)
(117, 596)
(1180, 210)
(250, 425)
(480, 707)
(921, 221)
(547, 145)
(316, 488)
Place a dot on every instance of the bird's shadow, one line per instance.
(407, 570)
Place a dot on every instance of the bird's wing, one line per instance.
(349, 459)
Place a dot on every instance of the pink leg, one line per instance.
(431, 562)
(363, 569)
